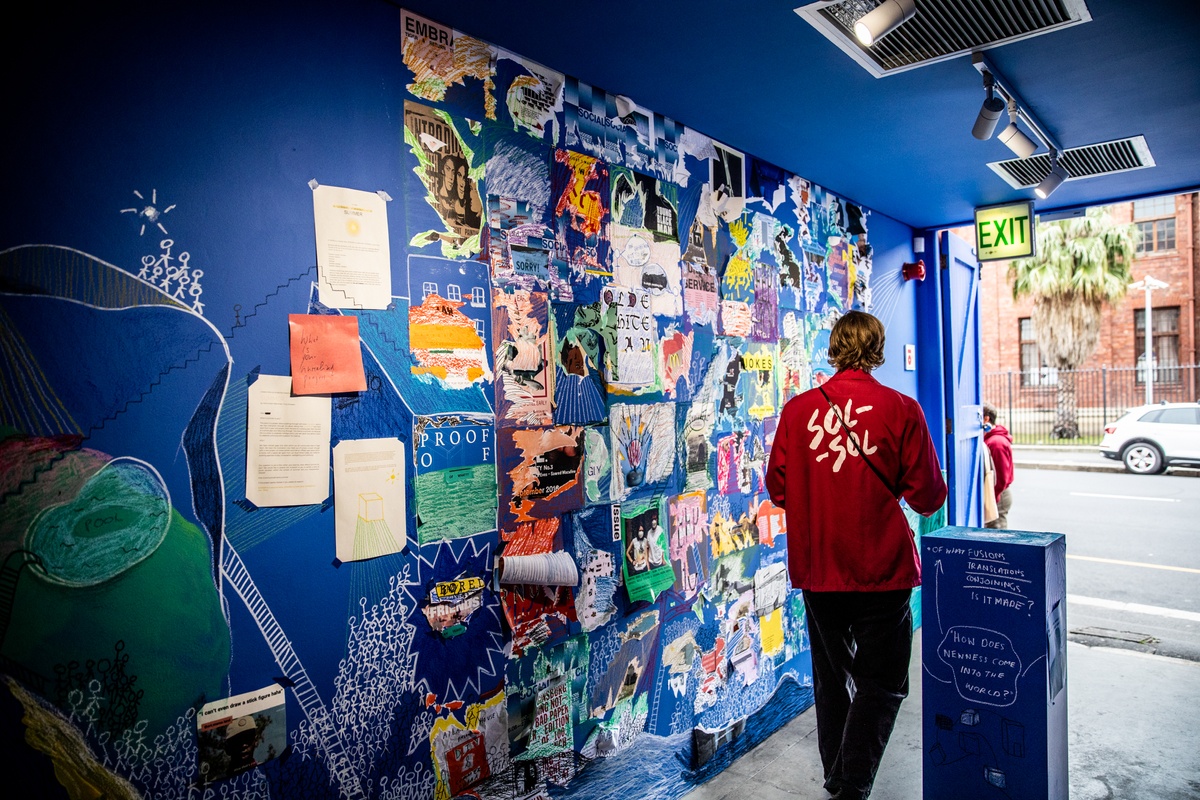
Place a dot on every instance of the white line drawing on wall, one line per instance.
(235, 572)
(149, 213)
(171, 275)
(164, 273)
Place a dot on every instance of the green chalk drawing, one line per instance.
(453, 503)
(165, 609)
(117, 519)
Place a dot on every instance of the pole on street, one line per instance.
(1148, 285)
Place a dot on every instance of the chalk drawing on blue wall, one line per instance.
(106, 525)
(118, 518)
(984, 665)
(464, 666)
(150, 213)
(326, 735)
(984, 737)
(170, 274)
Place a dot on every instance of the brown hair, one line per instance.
(856, 342)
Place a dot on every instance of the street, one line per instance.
(1133, 554)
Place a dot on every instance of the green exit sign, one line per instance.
(1005, 231)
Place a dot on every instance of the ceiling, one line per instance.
(758, 77)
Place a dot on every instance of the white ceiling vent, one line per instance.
(1089, 161)
(941, 29)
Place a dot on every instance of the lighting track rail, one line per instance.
(980, 62)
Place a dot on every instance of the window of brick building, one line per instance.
(1164, 335)
(1155, 221)
(1034, 371)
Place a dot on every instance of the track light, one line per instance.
(989, 115)
(1054, 179)
(886, 17)
(1014, 139)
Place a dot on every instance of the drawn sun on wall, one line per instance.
(149, 213)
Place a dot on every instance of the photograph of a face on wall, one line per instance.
(456, 194)
(647, 568)
(445, 171)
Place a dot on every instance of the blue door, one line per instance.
(959, 278)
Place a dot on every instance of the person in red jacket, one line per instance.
(844, 453)
(999, 444)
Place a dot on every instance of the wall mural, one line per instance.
(581, 376)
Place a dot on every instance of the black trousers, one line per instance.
(861, 646)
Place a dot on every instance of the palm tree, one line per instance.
(1081, 263)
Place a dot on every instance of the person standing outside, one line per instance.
(999, 444)
(850, 548)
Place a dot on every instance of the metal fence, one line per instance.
(1071, 407)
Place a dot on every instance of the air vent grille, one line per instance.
(1089, 161)
(941, 29)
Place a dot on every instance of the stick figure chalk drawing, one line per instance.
(164, 271)
(234, 571)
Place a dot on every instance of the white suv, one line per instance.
(1148, 438)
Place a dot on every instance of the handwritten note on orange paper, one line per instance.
(325, 354)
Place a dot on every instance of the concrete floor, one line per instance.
(1134, 735)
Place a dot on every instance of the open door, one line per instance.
(959, 279)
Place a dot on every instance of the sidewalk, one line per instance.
(1132, 735)
(1080, 459)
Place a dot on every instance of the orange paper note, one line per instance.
(325, 354)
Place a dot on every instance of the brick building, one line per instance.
(1015, 375)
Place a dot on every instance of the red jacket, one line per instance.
(845, 531)
(999, 444)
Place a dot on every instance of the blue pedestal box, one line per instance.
(994, 650)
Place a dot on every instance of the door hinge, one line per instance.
(949, 426)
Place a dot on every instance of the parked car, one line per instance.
(1150, 438)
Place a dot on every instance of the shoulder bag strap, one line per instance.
(895, 495)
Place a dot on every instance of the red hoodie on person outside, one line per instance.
(999, 444)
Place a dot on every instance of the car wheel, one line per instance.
(1143, 458)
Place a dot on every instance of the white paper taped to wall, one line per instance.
(545, 569)
(287, 445)
(354, 262)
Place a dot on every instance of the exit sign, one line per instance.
(1005, 232)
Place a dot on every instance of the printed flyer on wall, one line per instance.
(240, 732)
(647, 570)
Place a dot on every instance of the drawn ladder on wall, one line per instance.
(310, 701)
